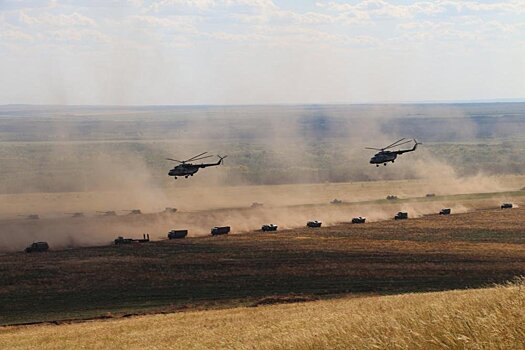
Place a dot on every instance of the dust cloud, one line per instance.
(133, 175)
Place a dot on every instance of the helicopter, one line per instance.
(384, 155)
(186, 168)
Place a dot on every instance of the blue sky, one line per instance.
(260, 51)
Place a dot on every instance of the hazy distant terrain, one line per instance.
(56, 148)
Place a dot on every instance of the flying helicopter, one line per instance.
(186, 168)
(385, 155)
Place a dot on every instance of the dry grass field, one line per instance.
(490, 318)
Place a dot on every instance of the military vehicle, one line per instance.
(186, 168)
(121, 240)
(170, 210)
(391, 197)
(134, 211)
(256, 205)
(176, 234)
(506, 206)
(76, 215)
(37, 247)
(336, 201)
(108, 213)
(314, 223)
(31, 216)
(269, 227)
(220, 230)
(401, 216)
(445, 211)
(385, 156)
(358, 220)
(429, 195)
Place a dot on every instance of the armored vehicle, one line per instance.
(506, 206)
(31, 216)
(175, 234)
(170, 210)
(358, 220)
(134, 212)
(314, 223)
(37, 247)
(336, 201)
(76, 215)
(220, 230)
(429, 195)
(391, 198)
(445, 211)
(256, 205)
(401, 216)
(107, 213)
(122, 240)
(269, 227)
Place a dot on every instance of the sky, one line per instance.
(184, 52)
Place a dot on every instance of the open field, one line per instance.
(201, 208)
(424, 254)
(473, 319)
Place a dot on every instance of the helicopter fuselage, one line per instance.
(184, 170)
(383, 157)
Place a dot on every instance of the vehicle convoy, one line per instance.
(186, 168)
(401, 216)
(220, 230)
(121, 240)
(269, 227)
(176, 234)
(358, 220)
(385, 156)
(506, 206)
(445, 211)
(37, 247)
(314, 223)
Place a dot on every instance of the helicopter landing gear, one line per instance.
(174, 178)
(384, 164)
(377, 165)
(186, 176)
(392, 161)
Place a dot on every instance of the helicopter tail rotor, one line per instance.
(221, 159)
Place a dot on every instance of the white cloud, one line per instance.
(60, 20)
(179, 23)
(15, 35)
(78, 35)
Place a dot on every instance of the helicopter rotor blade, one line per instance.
(377, 149)
(402, 143)
(175, 160)
(194, 157)
(201, 158)
(394, 144)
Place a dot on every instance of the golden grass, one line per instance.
(492, 318)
